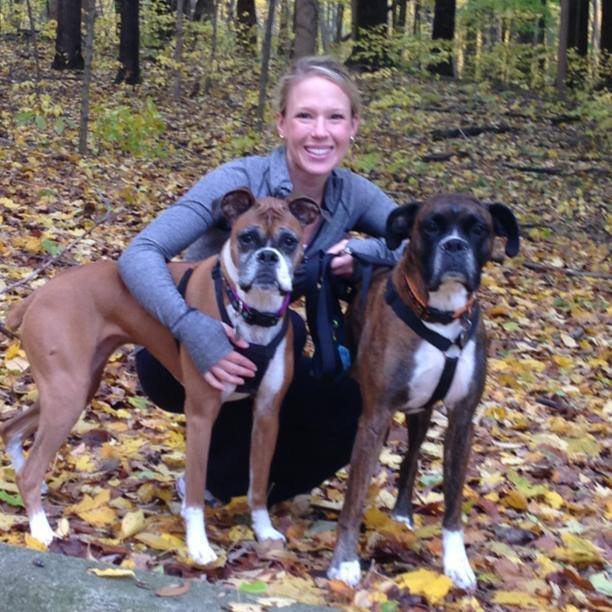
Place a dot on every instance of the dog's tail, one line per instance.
(15, 315)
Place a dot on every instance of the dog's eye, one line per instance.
(431, 227)
(247, 238)
(288, 242)
(478, 229)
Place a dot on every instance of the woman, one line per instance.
(317, 118)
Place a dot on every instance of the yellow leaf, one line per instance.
(132, 523)
(165, 541)
(63, 527)
(8, 521)
(112, 572)
(578, 551)
(13, 350)
(89, 503)
(546, 565)
(99, 517)
(303, 590)
(238, 533)
(554, 499)
(431, 585)
(85, 464)
(34, 544)
(515, 499)
(563, 361)
(516, 598)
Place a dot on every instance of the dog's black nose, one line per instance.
(455, 245)
(267, 256)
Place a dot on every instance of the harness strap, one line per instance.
(443, 344)
(259, 354)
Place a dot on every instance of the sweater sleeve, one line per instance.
(143, 265)
(373, 207)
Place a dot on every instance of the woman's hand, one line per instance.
(342, 264)
(232, 367)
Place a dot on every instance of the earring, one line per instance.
(352, 139)
(281, 135)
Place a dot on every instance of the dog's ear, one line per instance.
(236, 202)
(506, 225)
(399, 224)
(304, 209)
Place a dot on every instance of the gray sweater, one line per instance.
(350, 203)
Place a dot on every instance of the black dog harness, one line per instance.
(259, 354)
(443, 344)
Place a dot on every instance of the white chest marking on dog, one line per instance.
(197, 542)
(429, 361)
(349, 572)
(456, 563)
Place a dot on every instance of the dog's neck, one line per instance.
(451, 296)
(257, 299)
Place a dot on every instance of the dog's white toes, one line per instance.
(40, 528)
(405, 520)
(349, 572)
(202, 553)
(456, 563)
(270, 534)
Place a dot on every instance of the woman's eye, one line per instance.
(337, 116)
(303, 115)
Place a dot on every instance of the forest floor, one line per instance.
(537, 499)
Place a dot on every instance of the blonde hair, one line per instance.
(317, 65)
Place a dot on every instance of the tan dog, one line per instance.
(70, 327)
(421, 340)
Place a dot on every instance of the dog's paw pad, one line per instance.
(202, 554)
(348, 572)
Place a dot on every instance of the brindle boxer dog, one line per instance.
(421, 340)
(70, 327)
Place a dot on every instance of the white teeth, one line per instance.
(318, 151)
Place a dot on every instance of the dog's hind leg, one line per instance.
(457, 443)
(417, 429)
(18, 429)
(60, 407)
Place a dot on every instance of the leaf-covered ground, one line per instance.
(537, 500)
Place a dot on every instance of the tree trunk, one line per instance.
(369, 20)
(562, 49)
(605, 43)
(324, 27)
(203, 10)
(339, 17)
(246, 22)
(306, 19)
(265, 64)
(68, 36)
(416, 28)
(284, 40)
(178, 49)
(129, 42)
(90, 7)
(443, 29)
(578, 30)
(401, 17)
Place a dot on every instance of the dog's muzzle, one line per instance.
(454, 261)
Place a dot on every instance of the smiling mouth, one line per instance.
(318, 151)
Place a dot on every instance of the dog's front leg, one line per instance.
(417, 429)
(202, 406)
(263, 444)
(366, 449)
(457, 445)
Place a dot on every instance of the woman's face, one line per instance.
(317, 126)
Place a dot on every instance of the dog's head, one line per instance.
(451, 237)
(266, 237)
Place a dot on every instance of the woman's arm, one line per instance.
(143, 266)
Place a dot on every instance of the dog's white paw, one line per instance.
(40, 528)
(201, 552)
(405, 520)
(349, 572)
(456, 563)
(262, 526)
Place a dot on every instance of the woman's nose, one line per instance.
(319, 128)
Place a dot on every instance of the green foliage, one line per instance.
(131, 131)
(596, 110)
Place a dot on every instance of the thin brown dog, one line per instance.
(70, 327)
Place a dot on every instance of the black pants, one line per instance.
(317, 428)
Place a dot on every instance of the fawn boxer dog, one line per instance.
(421, 339)
(71, 326)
